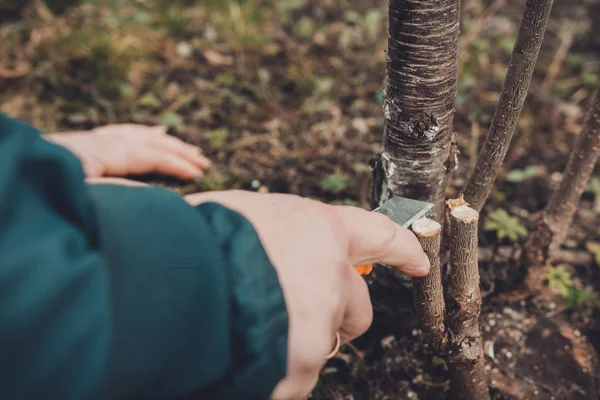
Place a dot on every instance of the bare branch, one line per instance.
(554, 222)
(512, 97)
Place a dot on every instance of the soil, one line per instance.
(285, 97)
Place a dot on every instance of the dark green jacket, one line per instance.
(110, 292)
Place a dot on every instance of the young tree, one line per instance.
(516, 84)
(556, 217)
(418, 153)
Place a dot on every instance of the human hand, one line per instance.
(313, 247)
(128, 149)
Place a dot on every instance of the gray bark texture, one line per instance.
(555, 219)
(428, 294)
(514, 91)
(418, 152)
(464, 351)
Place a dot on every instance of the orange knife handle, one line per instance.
(364, 269)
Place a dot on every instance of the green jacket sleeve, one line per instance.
(110, 292)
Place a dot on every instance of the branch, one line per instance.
(512, 97)
(428, 294)
(463, 306)
(554, 222)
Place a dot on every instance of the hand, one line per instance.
(313, 247)
(114, 181)
(128, 149)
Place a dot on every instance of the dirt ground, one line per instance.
(285, 96)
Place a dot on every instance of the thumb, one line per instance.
(373, 237)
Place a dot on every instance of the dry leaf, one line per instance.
(215, 58)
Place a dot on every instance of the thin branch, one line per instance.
(428, 293)
(554, 222)
(567, 35)
(512, 97)
(475, 30)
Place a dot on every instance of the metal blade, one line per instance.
(404, 211)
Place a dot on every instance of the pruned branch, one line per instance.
(463, 306)
(450, 323)
(555, 219)
(428, 293)
(512, 97)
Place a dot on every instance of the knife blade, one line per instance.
(402, 211)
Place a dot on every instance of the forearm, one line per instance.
(114, 291)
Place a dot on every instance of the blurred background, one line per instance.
(285, 96)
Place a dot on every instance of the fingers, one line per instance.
(159, 161)
(129, 130)
(138, 137)
(359, 311)
(373, 237)
(114, 181)
(176, 146)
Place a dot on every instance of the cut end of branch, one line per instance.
(465, 214)
(425, 227)
(453, 203)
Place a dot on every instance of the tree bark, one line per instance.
(555, 219)
(463, 306)
(428, 294)
(418, 152)
(512, 97)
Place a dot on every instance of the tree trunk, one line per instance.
(555, 219)
(428, 294)
(516, 84)
(418, 152)
(463, 306)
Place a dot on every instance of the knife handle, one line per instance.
(364, 269)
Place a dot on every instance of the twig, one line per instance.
(475, 30)
(567, 35)
(514, 91)
(474, 144)
(576, 258)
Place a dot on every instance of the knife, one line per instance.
(402, 211)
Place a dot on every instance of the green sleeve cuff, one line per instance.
(197, 304)
(259, 315)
